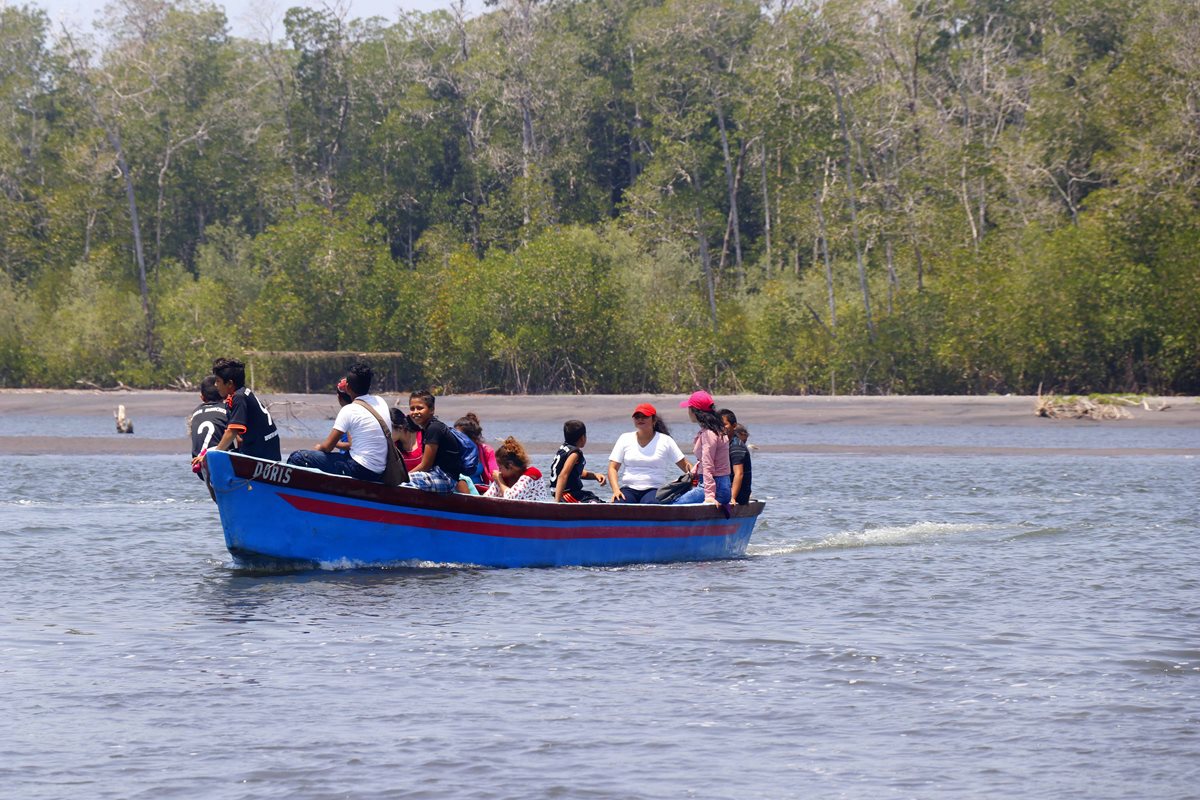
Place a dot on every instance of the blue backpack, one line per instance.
(470, 453)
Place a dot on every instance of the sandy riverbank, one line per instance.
(993, 411)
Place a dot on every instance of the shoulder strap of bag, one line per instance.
(393, 455)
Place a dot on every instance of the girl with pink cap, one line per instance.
(711, 448)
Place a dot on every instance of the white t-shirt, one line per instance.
(645, 467)
(367, 445)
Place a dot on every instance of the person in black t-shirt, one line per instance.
(568, 470)
(206, 425)
(250, 427)
(441, 452)
(739, 457)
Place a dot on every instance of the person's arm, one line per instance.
(331, 441)
(428, 457)
(736, 482)
(564, 472)
(228, 439)
(588, 475)
(613, 468)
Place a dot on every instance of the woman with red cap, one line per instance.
(711, 448)
(644, 455)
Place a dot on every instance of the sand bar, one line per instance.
(813, 412)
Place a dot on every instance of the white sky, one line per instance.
(245, 16)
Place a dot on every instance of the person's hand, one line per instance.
(600, 479)
(200, 458)
(617, 497)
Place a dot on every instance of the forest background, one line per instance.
(850, 196)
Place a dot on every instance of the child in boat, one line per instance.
(568, 471)
(407, 436)
(441, 454)
(515, 479)
(739, 457)
(473, 428)
(206, 425)
(250, 428)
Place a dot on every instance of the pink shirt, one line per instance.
(712, 459)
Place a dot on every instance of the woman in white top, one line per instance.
(643, 456)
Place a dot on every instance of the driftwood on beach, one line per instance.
(1101, 408)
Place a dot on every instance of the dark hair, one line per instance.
(573, 431)
(208, 389)
(359, 378)
(710, 421)
(403, 422)
(424, 396)
(740, 432)
(727, 416)
(511, 452)
(230, 371)
(660, 426)
(469, 424)
(343, 398)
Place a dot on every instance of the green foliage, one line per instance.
(612, 195)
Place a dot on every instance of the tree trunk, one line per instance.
(733, 208)
(766, 196)
(850, 196)
(825, 251)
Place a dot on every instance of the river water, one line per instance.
(903, 626)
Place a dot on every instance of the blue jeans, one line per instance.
(338, 462)
(696, 493)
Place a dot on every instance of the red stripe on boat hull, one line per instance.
(379, 515)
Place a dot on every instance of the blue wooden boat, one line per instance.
(276, 514)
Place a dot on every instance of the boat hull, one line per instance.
(278, 513)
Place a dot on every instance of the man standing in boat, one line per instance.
(362, 422)
(250, 428)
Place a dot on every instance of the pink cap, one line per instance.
(701, 401)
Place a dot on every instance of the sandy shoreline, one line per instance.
(1003, 411)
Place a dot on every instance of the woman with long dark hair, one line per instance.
(643, 456)
(711, 448)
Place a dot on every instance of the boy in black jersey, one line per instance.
(207, 422)
(567, 473)
(250, 428)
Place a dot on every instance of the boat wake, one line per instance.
(891, 536)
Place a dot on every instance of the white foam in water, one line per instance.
(891, 536)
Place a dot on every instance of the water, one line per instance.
(927, 627)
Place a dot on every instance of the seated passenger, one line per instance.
(568, 472)
(362, 423)
(739, 457)
(407, 436)
(642, 457)
(206, 425)
(486, 470)
(711, 448)
(515, 479)
(441, 454)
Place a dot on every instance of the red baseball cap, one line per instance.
(647, 409)
(701, 401)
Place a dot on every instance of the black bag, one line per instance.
(667, 494)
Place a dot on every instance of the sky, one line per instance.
(245, 15)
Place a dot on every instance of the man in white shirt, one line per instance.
(364, 456)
